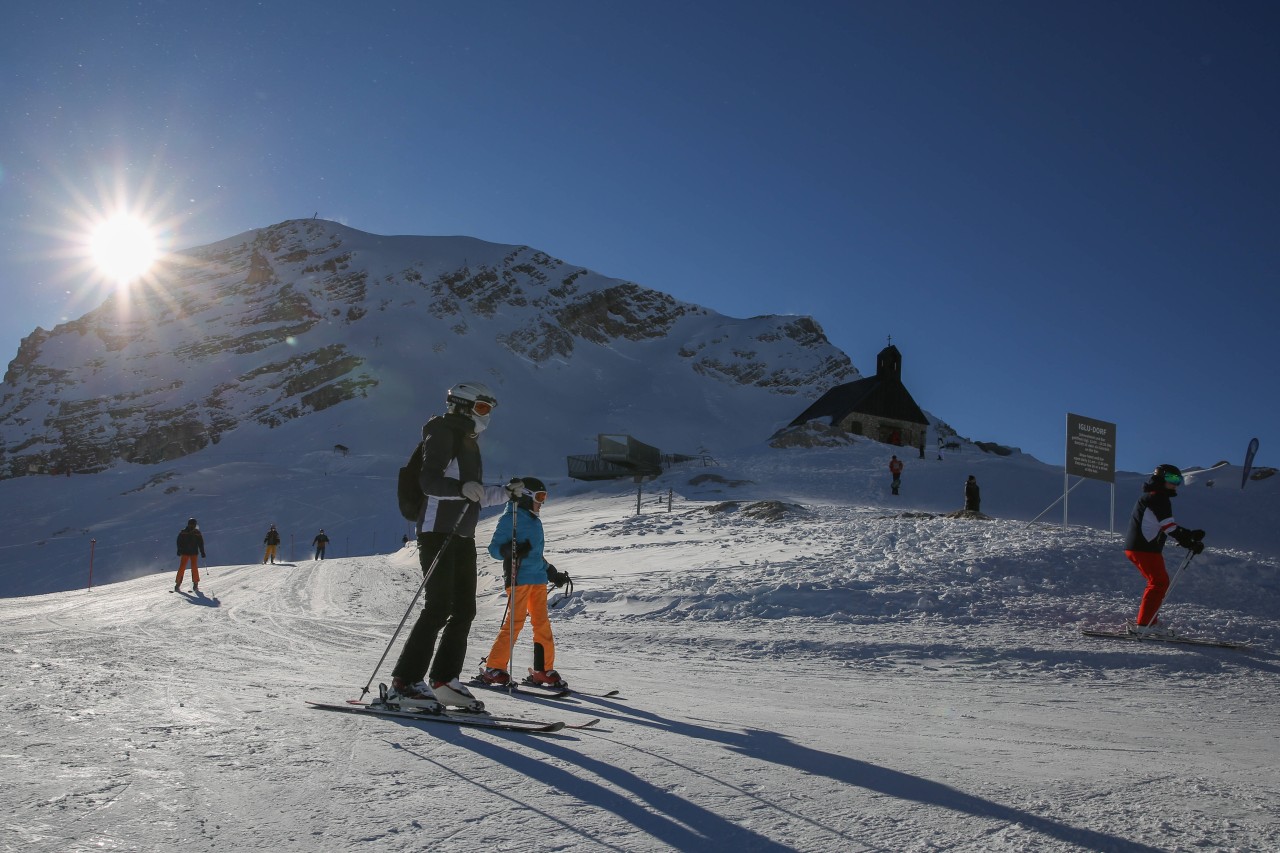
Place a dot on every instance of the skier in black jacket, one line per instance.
(190, 543)
(1151, 524)
(972, 495)
(320, 542)
(451, 481)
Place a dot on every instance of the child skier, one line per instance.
(895, 469)
(530, 572)
(1151, 524)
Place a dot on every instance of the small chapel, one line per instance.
(879, 407)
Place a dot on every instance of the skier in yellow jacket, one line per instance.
(272, 541)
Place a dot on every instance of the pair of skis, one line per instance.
(528, 687)
(474, 719)
(1164, 638)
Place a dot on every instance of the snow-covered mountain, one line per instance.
(222, 391)
(280, 324)
(265, 352)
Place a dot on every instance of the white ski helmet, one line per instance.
(463, 398)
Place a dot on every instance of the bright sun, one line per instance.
(123, 247)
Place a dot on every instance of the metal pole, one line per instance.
(1065, 492)
(92, 543)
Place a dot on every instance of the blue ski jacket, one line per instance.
(533, 566)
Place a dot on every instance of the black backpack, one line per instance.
(408, 492)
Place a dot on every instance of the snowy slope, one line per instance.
(840, 670)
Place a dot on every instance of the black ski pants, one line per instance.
(448, 609)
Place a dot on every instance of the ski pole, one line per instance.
(564, 597)
(1179, 572)
(426, 576)
(511, 600)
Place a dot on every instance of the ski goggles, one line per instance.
(1173, 479)
(538, 497)
(482, 407)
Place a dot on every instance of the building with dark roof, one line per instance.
(879, 407)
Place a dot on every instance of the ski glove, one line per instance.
(473, 491)
(1189, 539)
(555, 576)
(515, 488)
(522, 549)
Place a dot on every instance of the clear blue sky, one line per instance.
(1051, 207)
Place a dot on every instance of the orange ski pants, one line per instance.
(1151, 564)
(182, 568)
(270, 555)
(530, 601)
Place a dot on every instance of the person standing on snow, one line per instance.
(972, 495)
(190, 543)
(272, 541)
(320, 542)
(531, 573)
(1151, 524)
(895, 468)
(450, 480)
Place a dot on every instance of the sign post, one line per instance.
(1091, 453)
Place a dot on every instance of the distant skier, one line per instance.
(895, 468)
(531, 573)
(972, 495)
(1151, 524)
(190, 543)
(272, 541)
(320, 542)
(451, 483)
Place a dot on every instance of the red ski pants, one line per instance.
(182, 568)
(530, 601)
(1151, 564)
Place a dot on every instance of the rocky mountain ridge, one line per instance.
(267, 328)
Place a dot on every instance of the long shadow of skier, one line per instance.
(775, 748)
(771, 746)
(668, 818)
(200, 599)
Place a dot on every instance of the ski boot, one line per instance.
(409, 696)
(452, 693)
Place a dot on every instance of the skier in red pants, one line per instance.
(1151, 524)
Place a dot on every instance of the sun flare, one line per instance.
(123, 247)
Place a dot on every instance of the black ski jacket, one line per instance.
(190, 542)
(450, 457)
(1150, 523)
